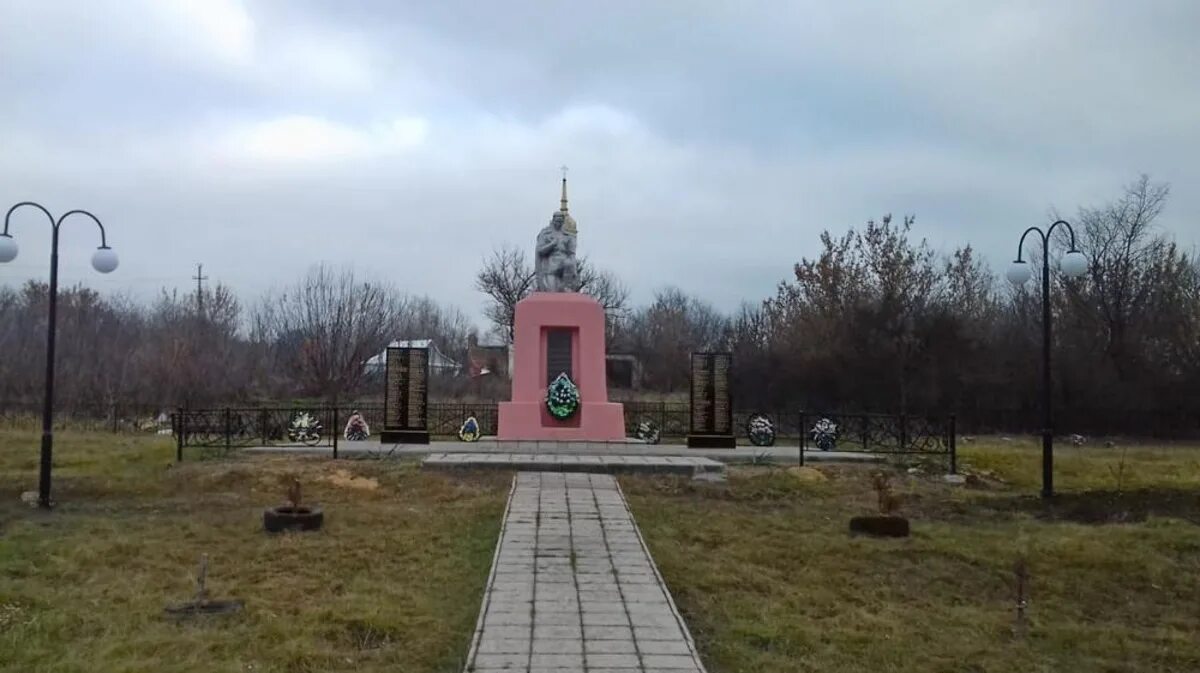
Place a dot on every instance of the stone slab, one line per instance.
(781, 455)
(571, 463)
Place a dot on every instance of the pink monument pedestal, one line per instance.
(559, 331)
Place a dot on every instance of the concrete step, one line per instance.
(608, 464)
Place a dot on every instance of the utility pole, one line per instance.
(200, 278)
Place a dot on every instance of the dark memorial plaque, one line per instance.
(722, 409)
(406, 396)
(558, 354)
(711, 424)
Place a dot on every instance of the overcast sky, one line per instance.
(709, 143)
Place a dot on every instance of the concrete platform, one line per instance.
(686, 465)
(785, 455)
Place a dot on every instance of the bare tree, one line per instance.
(424, 318)
(606, 288)
(194, 357)
(664, 334)
(506, 278)
(327, 325)
(1129, 267)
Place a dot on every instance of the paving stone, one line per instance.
(504, 645)
(502, 661)
(558, 646)
(605, 619)
(590, 606)
(556, 619)
(607, 632)
(613, 647)
(612, 660)
(668, 661)
(642, 633)
(547, 631)
(678, 646)
(572, 661)
(659, 619)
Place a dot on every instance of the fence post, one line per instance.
(335, 432)
(179, 423)
(114, 418)
(262, 425)
(802, 438)
(953, 446)
(865, 428)
(228, 430)
(903, 432)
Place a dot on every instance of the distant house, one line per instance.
(439, 363)
(487, 360)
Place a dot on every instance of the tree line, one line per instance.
(877, 320)
(306, 341)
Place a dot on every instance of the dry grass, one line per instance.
(391, 583)
(770, 581)
(762, 567)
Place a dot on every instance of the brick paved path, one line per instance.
(574, 589)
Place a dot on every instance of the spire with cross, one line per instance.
(563, 203)
(568, 221)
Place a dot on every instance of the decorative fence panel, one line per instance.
(915, 436)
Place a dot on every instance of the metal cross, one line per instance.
(564, 170)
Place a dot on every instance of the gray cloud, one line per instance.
(709, 143)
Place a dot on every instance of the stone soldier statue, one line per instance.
(555, 269)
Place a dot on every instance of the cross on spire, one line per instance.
(563, 203)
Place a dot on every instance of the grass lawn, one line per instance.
(770, 581)
(392, 582)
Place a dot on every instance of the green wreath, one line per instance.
(562, 397)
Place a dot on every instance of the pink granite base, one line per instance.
(526, 417)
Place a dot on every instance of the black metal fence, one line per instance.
(230, 428)
(1179, 423)
(911, 436)
(238, 427)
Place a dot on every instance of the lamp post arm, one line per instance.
(28, 203)
(1070, 230)
(103, 239)
(1021, 245)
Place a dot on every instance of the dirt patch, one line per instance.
(807, 474)
(343, 479)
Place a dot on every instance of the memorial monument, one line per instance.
(559, 385)
(711, 410)
(406, 396)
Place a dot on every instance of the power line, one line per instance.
(200, 278)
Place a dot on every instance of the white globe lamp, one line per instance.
(1019, 272)
(104, 260)
(1073, 264)
(8, 248)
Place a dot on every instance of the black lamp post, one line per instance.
(1072, 265)
(104, 260)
